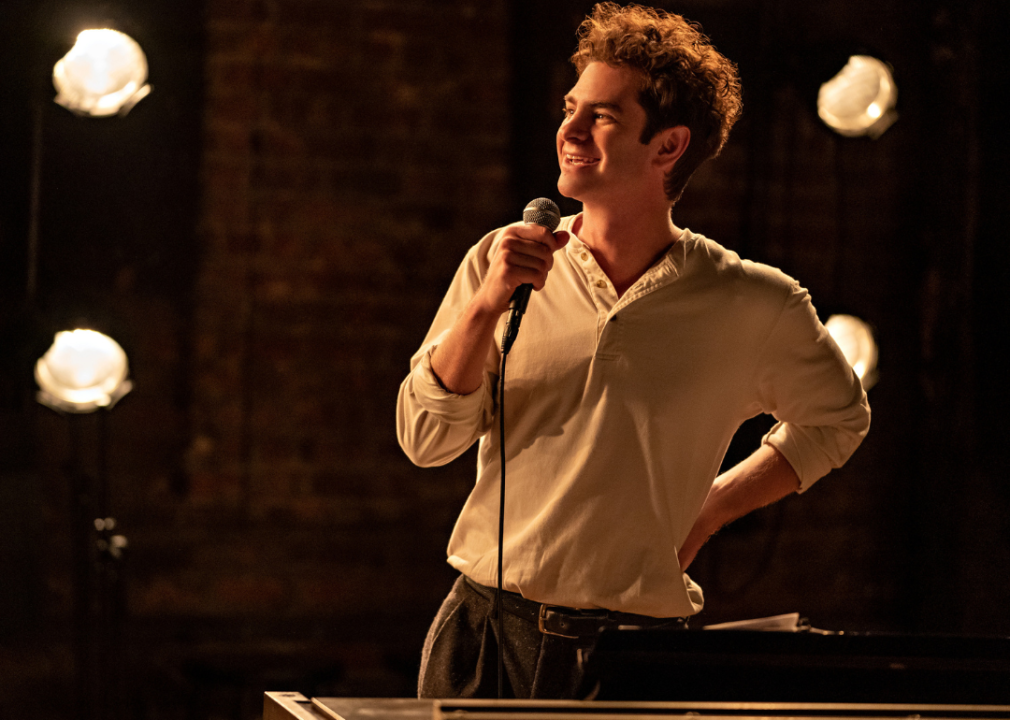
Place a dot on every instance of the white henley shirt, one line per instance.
(619, 412)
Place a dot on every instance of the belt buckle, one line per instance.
(543, 628)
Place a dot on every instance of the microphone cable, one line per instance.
(545, 212)
(501, 519)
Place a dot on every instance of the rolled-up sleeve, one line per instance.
(808, 386)
(435, 426)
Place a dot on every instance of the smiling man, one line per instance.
(644, 349)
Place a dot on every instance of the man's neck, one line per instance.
(627, 243)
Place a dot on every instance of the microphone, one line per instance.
(542, 211)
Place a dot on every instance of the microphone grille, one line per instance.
(542, 211)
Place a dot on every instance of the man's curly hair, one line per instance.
(685, 80)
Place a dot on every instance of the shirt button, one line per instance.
(584, 256)
(601, 283)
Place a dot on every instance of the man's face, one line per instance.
(599, 149)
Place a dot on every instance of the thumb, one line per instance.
(562, 237)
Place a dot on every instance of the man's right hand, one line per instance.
(525, 255)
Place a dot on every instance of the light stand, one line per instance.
(104, 74)
(82, 372)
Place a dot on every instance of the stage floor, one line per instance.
(294, 706)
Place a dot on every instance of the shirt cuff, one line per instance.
(449, 407)
(801, 451)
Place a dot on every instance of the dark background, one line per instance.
(269, 234)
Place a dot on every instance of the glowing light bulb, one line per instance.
(82, 371)
(855, 339)
(860, 99)
(104, 73)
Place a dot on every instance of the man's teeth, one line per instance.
(576, 160)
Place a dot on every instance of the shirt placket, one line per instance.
(608, 304)
(601, 290)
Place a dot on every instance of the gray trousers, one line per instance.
(460, 655)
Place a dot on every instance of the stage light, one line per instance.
(82, 371)
(855, 339)
(103, 74)
(860, 99)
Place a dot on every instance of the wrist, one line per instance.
(487, 305)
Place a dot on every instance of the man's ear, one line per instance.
(673, 143)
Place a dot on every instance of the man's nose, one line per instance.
(576, 127)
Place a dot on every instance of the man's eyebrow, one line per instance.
(598, 105)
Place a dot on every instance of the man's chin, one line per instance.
(568, 189)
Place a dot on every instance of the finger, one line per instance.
(536, 233)
(528, 253)
(524, 266)
(541, 245)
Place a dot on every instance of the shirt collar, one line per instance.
(666, 270)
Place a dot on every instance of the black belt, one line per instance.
(569, 622)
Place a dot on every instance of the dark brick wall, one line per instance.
(352, 152)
